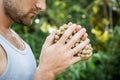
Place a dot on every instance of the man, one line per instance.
(16, 58)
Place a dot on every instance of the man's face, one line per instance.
(22, 11)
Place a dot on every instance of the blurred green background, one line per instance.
(102, 20)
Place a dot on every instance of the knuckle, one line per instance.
(44, 46)
(86, 34)
(72, 27)
(65, 35)
(71, 43)
(50, 38)
(73, 40)
(58, 45)
(88, 40)
(86, 57)
(84, 30)
(79, 26)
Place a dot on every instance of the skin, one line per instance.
(22, 11)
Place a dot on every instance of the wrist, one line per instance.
(44, 74)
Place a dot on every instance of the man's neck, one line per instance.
(5, 20)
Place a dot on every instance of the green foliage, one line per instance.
(113, 50)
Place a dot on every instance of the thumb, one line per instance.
(49, 39)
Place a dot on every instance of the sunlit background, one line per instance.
(101, 18)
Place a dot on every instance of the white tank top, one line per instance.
(21, 64)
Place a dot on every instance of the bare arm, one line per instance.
(3, 60)
(55, 58)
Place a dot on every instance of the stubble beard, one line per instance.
(15, 14)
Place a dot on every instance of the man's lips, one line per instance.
(34, 12)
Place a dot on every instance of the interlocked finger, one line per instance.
(67, 33)
(86, 57)
(75, 38)
(74, 51)
(79, 47)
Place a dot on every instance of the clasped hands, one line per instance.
(56, 57)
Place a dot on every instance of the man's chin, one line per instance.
(29, 21)
(26, 22)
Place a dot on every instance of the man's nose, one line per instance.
(41, 5)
